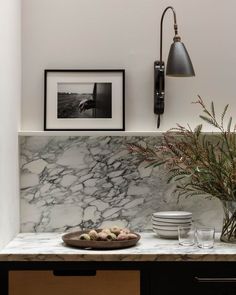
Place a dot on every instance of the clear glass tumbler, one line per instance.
(205, 237)
(186, 235)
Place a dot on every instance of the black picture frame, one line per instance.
(115, 83)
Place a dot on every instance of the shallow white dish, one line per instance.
(161, 228)
(168, 220)
(164, 227)
(168, 234)
(159, 223)
(172, 214)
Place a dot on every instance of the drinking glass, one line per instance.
(186, 235)
(205, 237)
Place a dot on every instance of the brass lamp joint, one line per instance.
(176, 38)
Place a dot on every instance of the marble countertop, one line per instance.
(50, 247)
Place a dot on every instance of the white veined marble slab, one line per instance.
(79, 182)
(49, 247)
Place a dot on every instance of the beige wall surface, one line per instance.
(10, 90)
(100, 34)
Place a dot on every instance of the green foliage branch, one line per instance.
(199, 164)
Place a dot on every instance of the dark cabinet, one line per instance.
(190, 278)
(145, 278)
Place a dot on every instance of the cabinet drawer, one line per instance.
(216, 286)
(101, 283)
(194, 278)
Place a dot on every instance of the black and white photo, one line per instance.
(84, 100)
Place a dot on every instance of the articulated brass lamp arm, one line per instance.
(161, 28)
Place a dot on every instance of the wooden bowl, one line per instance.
(72, 239)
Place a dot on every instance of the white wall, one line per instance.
(10, 92)
(125, 34)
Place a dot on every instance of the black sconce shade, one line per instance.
(179, 63)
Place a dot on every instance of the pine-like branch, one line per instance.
(199, 164)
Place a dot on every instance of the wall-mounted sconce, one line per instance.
(178, 65)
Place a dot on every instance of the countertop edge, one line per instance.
(116, 258)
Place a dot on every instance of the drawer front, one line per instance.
(92, 283)
(216, 285)
(188, 278)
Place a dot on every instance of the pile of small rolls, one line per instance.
(114, 233)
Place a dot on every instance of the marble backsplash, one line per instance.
(84, 182)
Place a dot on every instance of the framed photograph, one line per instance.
(84, 100)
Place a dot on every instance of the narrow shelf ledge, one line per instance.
(97, 133)
(89, 133)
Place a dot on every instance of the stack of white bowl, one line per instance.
(166, 223)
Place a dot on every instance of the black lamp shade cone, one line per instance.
(179, 63)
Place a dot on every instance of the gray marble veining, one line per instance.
(84, 182)
(49, 247)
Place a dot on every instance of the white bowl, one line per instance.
(168, 234)
(172, 220)
(172, 214)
